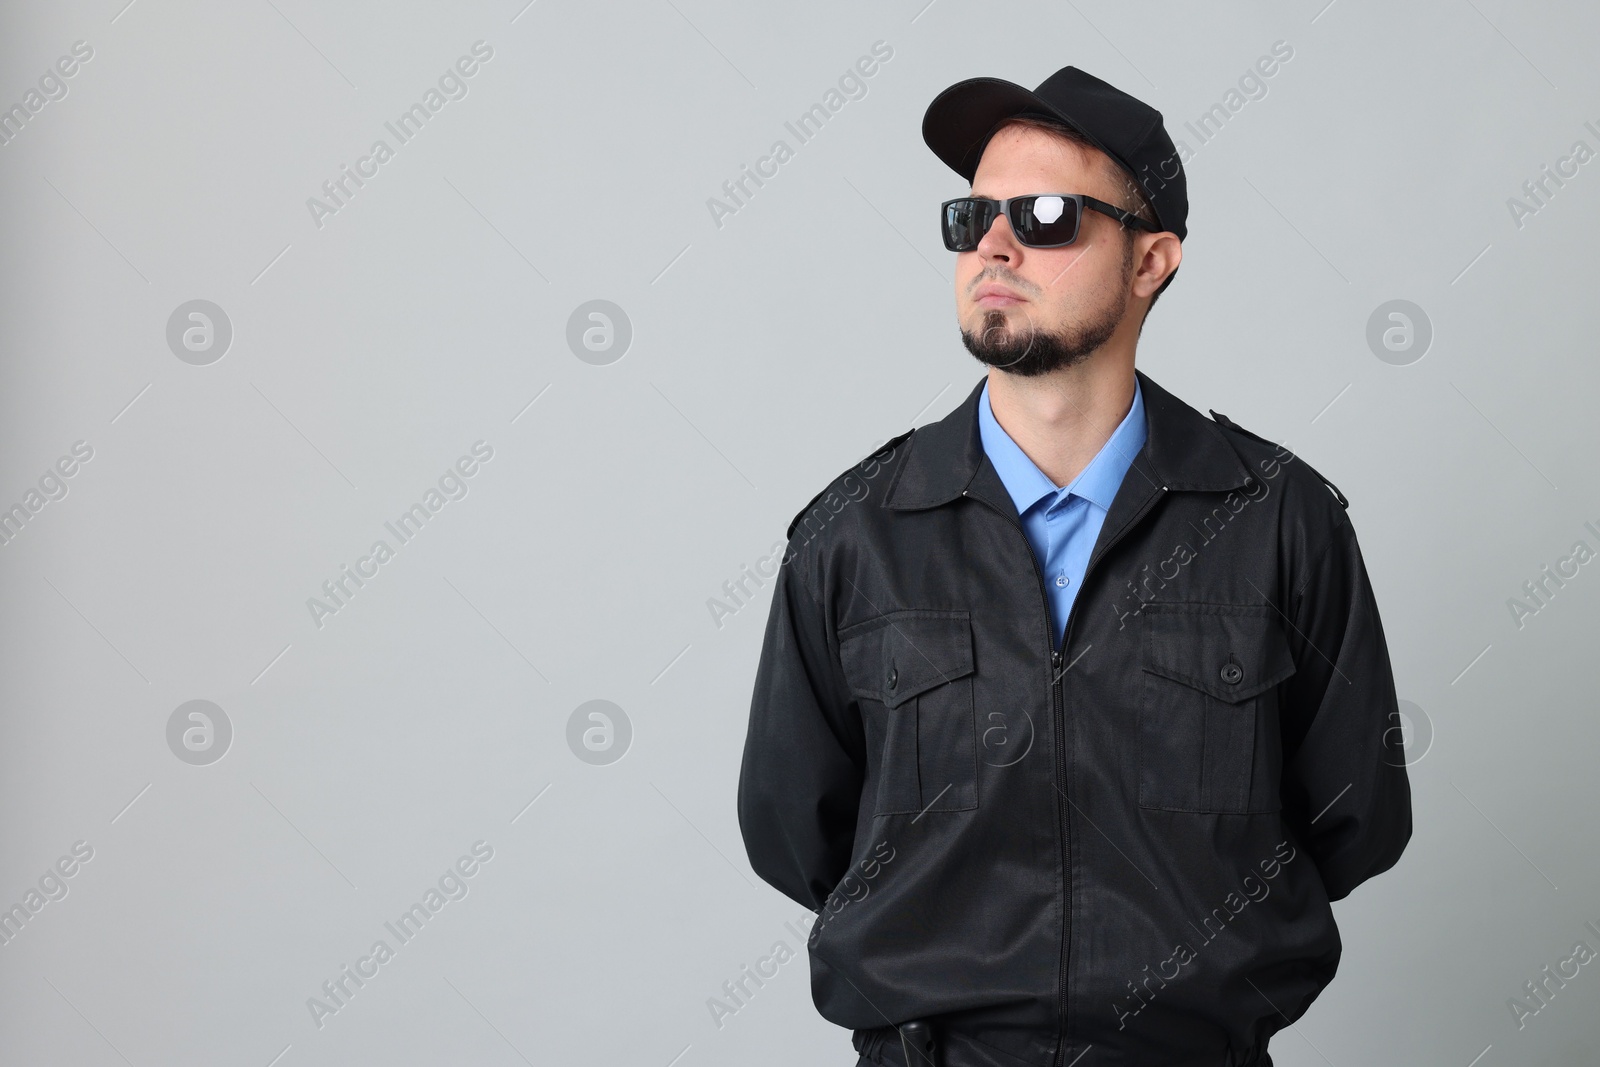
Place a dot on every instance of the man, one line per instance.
(1074, 711)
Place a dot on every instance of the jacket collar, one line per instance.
(1184, 450)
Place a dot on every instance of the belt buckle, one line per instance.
(917, 1043)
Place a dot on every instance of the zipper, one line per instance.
(1057, 718)
(1058, 715)
(1058, 721)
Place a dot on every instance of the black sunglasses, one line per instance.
(1041, 220)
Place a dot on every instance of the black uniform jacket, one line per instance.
(1121, 854)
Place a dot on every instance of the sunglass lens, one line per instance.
(1044, 220)
(964, 224)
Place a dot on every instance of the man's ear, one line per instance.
(1163, 252)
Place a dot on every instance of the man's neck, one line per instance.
(1061, 420)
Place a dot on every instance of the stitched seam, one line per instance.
(865, 625)
(1311, 571)
(905, 461)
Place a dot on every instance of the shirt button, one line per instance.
(894, 677)
(1231, 673)
(1061, 581)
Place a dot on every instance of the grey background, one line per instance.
(768, 353)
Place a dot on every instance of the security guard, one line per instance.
(1105, 677)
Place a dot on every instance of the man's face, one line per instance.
(1049, 307)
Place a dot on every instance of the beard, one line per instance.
(1028, 351)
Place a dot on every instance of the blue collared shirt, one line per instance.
(1062, 523)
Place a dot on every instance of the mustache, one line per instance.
(1002, 278)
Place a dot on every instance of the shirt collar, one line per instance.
(1185, 451)
(1096, 483)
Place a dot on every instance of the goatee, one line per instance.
(1030, 352)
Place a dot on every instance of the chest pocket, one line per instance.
(1208, 723)
(911, 672)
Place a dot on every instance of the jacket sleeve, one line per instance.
(800, 781)
(1346, 795)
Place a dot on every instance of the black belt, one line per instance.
(920, 1049)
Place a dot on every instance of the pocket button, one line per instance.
(1231, 673)
(894, 677)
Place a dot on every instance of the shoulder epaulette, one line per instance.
(1230, 424)
(888, 446)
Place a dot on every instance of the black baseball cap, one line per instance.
(959, 122)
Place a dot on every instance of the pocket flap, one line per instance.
(906, 653)
(1232, 652)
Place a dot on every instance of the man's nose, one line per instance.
(998, 242)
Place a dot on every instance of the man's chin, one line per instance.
(1028, 358)
(1028, 351)
(1004, 341)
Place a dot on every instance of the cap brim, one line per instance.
(957, 123)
